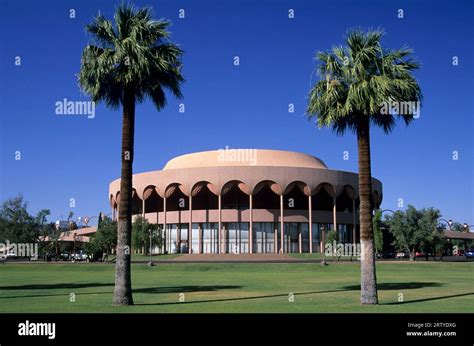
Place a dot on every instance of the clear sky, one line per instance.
(244, 106)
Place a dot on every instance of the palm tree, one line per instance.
(124, 64)
(359, 83)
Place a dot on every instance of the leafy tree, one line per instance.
(104, 240)
(429, 223)
(330, 237)
(356, 81)
(53, 245)
(71, 224)
(414, 229)
(93, 250)
(378, 235)
(46, 229)
(141, 235)
(16, 224)
(457, 227)
(128, 61)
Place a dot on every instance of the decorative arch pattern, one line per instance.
(262, 189)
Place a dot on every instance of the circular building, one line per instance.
(247, 201)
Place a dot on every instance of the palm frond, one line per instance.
(358, 78)
(133, 52)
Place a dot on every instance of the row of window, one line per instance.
(266, 237)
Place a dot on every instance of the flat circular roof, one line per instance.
(245, 157)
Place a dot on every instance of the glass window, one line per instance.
(257, 237)
(304, 230)
(317, 237)
(263, 237)
(344, 235)
(293, 237)
(183, 238)
(195, 238)
(206, 238)
(244, 237)
(269, 237)
(232, 241)
(237, 237)
(172, 238)
(184, 232)
(278, 237)
(351, 233)
(210, 238)
(214, 237)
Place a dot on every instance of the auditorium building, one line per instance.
(247, 201)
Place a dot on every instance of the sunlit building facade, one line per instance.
(247, 201)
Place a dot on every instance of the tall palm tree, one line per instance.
(359, 83)
(125, 63)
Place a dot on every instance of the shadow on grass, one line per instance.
(383, 286)
(239, 298)
(184, 289)
(430, 299)
(148, 290)
(57, 286)
(213, 288)
(387, 286)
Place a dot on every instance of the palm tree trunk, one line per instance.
(123, 278)
(368, 280)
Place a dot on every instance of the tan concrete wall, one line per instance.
(259, 215)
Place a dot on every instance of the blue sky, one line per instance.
(65, 157)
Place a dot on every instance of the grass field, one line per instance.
(136, 257)
(253, 287)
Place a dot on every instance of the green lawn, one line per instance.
(315, 256)
(253, 287)
(137, 257)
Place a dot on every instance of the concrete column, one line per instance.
(200, 239)
(143, 215)
(219, 250)
(113, 213)
(282, 225)
(164, 222)
(334, 218)
(190, 228)
(251, 225)
(300, 240)
(160, 234)
(310, 218)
